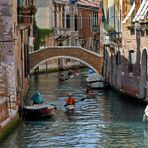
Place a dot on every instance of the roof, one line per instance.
(129, 13)
(142, 11)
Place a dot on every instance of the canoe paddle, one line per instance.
(82, 99)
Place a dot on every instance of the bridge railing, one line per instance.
(69, 47)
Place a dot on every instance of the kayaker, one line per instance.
(70, 100)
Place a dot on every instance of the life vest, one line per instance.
(70, 101)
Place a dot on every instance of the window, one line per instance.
(20, 2)
(76, 23)
(94, 19)
(81, 22)
(131, 60)
(90, 24)
(67, 21)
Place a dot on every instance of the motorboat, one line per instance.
(145, 116)
(95, 81)
(39, 111)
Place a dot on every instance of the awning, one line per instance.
(129, 14)
(143, 12)
(139, 11)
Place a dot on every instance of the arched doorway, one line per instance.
(143, 90)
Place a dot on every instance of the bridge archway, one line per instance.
(67, 57)
(89, 58)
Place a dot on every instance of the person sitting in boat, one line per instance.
(61, 77)
(70, 100)
(70, 72)
(88, 90)
(37, 98)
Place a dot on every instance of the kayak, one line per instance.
(70, 108)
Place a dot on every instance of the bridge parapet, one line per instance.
(85, 56)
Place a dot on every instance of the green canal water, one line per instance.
(104, 121)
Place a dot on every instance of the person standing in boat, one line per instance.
(70, 100)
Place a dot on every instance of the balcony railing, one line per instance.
(116, 37)
(113, 38)
(60, 34)
(63, 34)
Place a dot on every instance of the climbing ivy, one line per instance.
(40, 35)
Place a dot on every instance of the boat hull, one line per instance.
(70, 108)
(38, 111)
(96, 85)
(95, 81)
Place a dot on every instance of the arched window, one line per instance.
(131, 60)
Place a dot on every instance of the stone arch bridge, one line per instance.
(89, 58)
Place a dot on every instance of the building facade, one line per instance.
(88, 20)
(7, 56)
(15, 30)
(126, 58)
(69, 20)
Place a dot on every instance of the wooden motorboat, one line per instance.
(39, 111)
(95, 81)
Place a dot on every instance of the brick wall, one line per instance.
(84, 31)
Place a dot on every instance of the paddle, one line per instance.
(54, 106)
(82, 99)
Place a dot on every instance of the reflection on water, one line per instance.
(104, 121)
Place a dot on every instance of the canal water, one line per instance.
(106, 120)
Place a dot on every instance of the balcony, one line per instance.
(113, 39)
(64, 32)
(25, 11)
(116, 37)
(61, 34)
